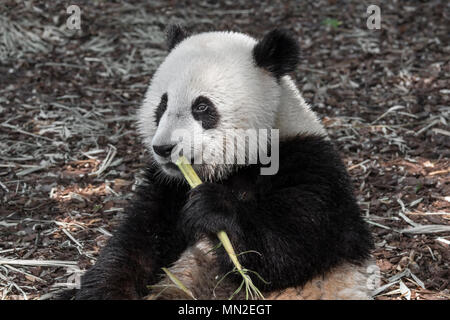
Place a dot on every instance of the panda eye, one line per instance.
(204, 111)
(202, 107)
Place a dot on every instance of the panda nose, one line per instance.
(164, 150)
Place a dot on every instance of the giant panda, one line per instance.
(303, 222)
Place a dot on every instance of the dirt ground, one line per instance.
(70, 156)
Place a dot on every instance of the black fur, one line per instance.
(145, 242)
(161, 108)
(277, 52)
(209, 117)
(303, 221)
(174, 35)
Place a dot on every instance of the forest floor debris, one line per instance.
(70, 156)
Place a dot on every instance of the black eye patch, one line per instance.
(204, 110)
(161, 108)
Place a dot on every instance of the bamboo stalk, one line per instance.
(178, 283)
(251, 291)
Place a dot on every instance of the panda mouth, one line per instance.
(171, 168)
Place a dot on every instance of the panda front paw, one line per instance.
(211, 207)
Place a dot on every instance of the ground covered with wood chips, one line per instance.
(70, 156)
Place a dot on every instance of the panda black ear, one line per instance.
(174, 35)
(277, 52)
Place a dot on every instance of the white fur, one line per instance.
(220, 66)
(294, 114)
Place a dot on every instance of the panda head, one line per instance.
(209, 84)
